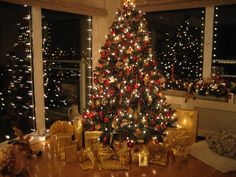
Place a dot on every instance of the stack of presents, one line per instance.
(71, 144)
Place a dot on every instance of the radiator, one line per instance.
(213, 120)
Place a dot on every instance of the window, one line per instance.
(224, 53)
(16, 95)
(177, 40)
(64, 46)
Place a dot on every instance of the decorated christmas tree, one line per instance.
(126, 98)
(54, 94)
(17, 92)
(182, 57)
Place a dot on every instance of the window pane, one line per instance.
(177, 38)
(224, 53)
(64, 42)
(16, 103)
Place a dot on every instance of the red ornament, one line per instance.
(105, 139)
(128, 35)
(111, 92)
(106, 120)
(152, 123)
(129, 88)
(158, 82)
(128, 70)
(135, 58)
(100, 114)
(130, 143)
(107, 82)
(136, 86)
(95, 81)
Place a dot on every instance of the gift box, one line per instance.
(158, 153)
(135, 153)
(104, 153)
(71, 153)
(82, 155)
(91, 139)
(122, 152)
(62, 140)
(178, 139)
(91, 155)
(112, 165)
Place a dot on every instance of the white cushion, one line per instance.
(201, 151)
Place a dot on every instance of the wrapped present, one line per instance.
(177, 140)
(78, 127)
(82, 155)
(71, 153)
(62, 140)
(104, 153)
(91, 154)
(123, 152)
(112, 165)
(135, 153)
(158, 153)
(143, 156)
(91, 139)
(61, 127)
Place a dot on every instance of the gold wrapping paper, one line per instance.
(178, 139)
(91, 154)
(158, 153)
(78, 126)
(71, 153)
(83, 156)
(104, 153)
(143, 156)
(112, 165)
(62, 140)
(123, 152)
(61, 127)
(91, 139)
(135, 153)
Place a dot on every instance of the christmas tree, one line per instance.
(17, 92)
(54, 94)
(182, 56)
(126, 98)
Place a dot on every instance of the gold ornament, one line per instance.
(104, 102)
(97, 102)
(130, 50)
(114, 124)
(120, 101)
(138, 133)
(135, 115)
(130, 111)
(143, 121)
(101, 78)
(150, 99)
(146, 79)
(118, 64)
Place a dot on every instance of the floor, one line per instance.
(48, 165)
